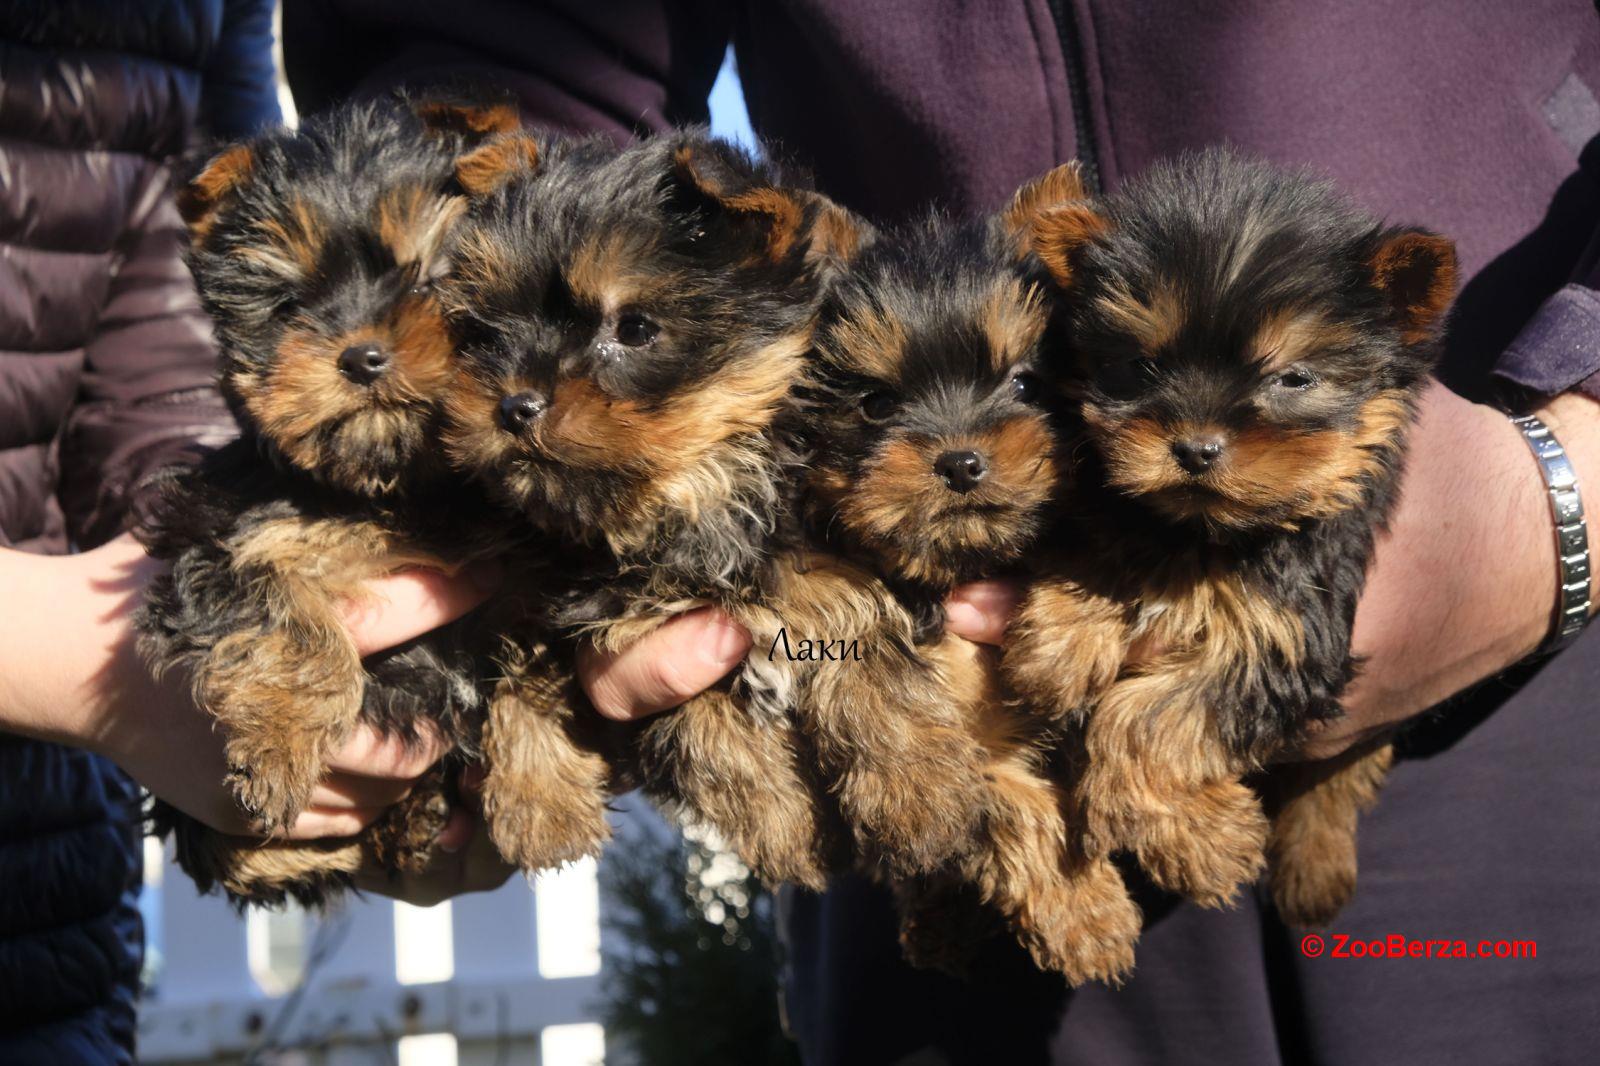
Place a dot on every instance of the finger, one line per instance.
(315, 823)
(981, 610)
(342, 792)
(681, 659)
(408, 604)
(369, 753)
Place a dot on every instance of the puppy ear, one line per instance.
(721, 183)
(488, 167)
(474, 121)
(1416, 272)
(1059, 234)
(836, 237)
(203, 195)
(1057, 188)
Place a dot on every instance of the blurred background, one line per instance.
(663, 953)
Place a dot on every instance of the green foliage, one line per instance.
(690, 976)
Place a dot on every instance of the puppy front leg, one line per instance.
(1160, 782)
(284, 678)
(548, 776)
(1064, 647)
(1312, 852)
(909, 773)
(745, 774)
(1071, 910)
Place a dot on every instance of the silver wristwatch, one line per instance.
(1572, 533)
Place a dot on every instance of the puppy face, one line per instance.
(1247, 344)
(317, 254)
(631, 322)
(935, 446)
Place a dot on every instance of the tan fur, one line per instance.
(544, 798)
(609, 273)
(1288, 337)
(1417, 271)
(695, 446)
(898, 486)
(1065, 646)
(199, 200)
(472, 435)
(490, 166)
(414, 223)
(780, 210)
(905, 769)
(1306, 475)
(1153, 321)
(871, 344)
(1312, 850)
(292, 245)
(1160, 779)
(482, 120)
(399, 842)
(1058, 187)
(247, 867)
(1059, 232)
(1014, 318)
(1071, 911)
(304, 392)
(749, 777)
(836, 236)
(288, 696)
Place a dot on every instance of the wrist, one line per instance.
(1574, 420)
(1463, 581)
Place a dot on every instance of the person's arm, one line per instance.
(70, 673)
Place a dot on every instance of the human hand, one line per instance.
(680, 659)
(69, 672)
(464, 858)
(1462, 584)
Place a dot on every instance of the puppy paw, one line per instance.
(1084, 927)
(1203, 845)
(403, 839)
(543, 824)
(1312, 883)
(271, 787)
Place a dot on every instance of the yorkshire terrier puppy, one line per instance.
(937, 454)
(316, 253)
(633, 328)
(1247, 350)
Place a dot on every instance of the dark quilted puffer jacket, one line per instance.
(105, 373)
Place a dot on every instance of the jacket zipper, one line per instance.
(1078, 89)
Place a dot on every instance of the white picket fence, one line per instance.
(493, 979)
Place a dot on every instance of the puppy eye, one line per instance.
(1299, 380)
(635, 331)
(1027, 387)
(878, 405)
(1128, 376)
(421, 288)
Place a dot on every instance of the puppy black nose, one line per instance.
(363, 363)
(521, 410)
(1197, 455)
(961, 470)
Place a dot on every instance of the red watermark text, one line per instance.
(1400, 946)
